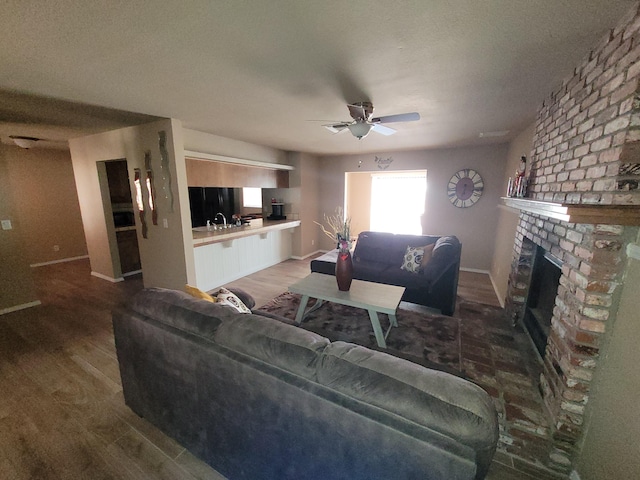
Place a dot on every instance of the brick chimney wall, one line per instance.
(586, 150)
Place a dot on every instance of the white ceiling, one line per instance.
(272, 72)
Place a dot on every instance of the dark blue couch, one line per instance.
(378, 257)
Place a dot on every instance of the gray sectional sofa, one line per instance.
(378, 257)
(259, 399)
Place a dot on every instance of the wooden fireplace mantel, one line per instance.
(571, 213)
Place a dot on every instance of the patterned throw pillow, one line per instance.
(412, 259)
(225, 297)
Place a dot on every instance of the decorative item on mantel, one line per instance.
(517, 187)
(339, 229)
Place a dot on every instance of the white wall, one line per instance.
(474, 226)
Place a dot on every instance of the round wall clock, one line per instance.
(465, 188)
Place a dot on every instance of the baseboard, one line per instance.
(15, 308)
(296, 257)
(108, 279)
(62, 260)
(134, 272)
(474, 270)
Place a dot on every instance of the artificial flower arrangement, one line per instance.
(338, 228)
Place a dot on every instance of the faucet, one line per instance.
(223, 219)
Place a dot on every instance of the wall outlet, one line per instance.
(56, 248)
(6, 225)
(165, 223)
(313, 242)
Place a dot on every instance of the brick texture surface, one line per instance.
(586, 150)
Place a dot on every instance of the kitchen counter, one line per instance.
(207, 235)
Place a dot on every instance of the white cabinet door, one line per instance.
(220, 263)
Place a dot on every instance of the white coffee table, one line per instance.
(373, 297)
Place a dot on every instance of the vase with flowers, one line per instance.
(339, 229)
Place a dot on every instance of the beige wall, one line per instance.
(475, 226)
(167, 254)
(507, 218)
(358, 187)
(302, 202)
(215, 145)
(46, 203)
(16, 283)
(610, 446)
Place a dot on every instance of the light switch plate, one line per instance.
(6, 225)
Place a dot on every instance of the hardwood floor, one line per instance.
(62, 413)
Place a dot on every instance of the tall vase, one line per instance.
(344, 271)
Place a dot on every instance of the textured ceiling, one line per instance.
(272, 72)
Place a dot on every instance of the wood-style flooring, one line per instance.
(62, 413)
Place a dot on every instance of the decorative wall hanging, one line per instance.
(165, 171)
(150, 187)
(140, 201)
(465, 188)
(383, 163)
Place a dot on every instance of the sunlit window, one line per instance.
(397, 201)
(252, 197)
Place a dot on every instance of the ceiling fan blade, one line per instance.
(382, 129)
(336, 127)
(357, 112)
(402, 117)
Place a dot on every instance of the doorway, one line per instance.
(123, 216)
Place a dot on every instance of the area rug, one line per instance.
(428, 339)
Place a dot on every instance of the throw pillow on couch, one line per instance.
(239, 300)
(416, 258)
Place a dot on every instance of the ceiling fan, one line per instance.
(23, 142)
(363, 123)
(31, 141)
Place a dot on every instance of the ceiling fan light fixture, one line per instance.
(360, 129)
(24, 142)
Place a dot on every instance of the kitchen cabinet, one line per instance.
(206, 173)
(223, 262)
(128, 250)
(118, 178)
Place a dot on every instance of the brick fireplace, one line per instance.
(582, 208)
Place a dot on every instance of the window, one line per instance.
(252, 197)
(397, 201)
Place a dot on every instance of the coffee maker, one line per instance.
(277, 210)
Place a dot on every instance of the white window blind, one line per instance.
(397, 201)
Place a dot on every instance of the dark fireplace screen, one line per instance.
(541, 299)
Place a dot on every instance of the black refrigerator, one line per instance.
(206, 202)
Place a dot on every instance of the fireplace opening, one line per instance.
(543, 289)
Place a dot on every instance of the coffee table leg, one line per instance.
(377, 329)
(393, 320)
(303, 305)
